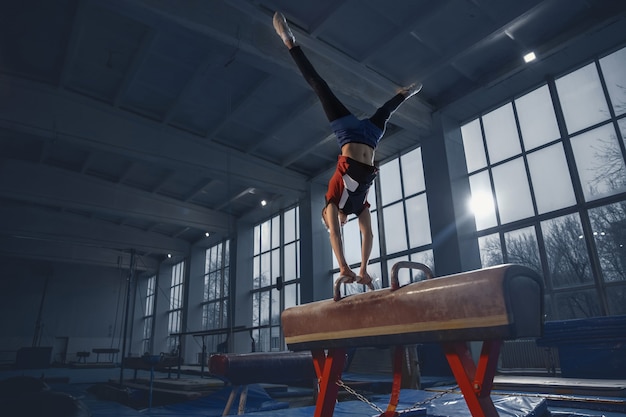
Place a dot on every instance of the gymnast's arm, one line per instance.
(334, 228)
(365, 225)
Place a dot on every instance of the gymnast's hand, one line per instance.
(365, 279)
(346, 272)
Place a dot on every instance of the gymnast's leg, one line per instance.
(332, 106)
(382, 115)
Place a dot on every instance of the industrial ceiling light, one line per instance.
(264, 203)
(529, 57)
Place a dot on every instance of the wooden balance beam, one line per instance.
(487, 305)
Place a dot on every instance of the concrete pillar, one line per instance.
(447, 187)
(316, 255)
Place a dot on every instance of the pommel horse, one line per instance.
(486, 305)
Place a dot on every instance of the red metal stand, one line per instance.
(328, 367)
(475, 380)
(397, 382)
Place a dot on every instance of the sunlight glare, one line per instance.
(481, 204)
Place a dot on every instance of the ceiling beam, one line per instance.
(38, 224)
(36, 109)
(36, 183)
(26, 248)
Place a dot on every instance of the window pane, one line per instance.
(149, 305)
(264, 340)
(608, 224)
(418, 221)
(551, 180)
(265, 307)
(352, 242)
(615, 78)
(297, 222)
(256, 305)
(390, 182)
(210, 316)
(473, 145)
(376, 240)
(490, 250)
(212, 259)
(298, 259)
(426, 257)
(224, 316)
(575, 305)
(212, 293)
(265, 269)
(256, 272)
(290, 262)
(512, 191)
(412, 172)
(521, 248)
(501, 134)
(536, 118)
(568, 263)
(257, 240)
(207, 261)
(482, 202)
(582, 98)
(395, 228)
(291, 296)
(376, 274)
(275, 232)
(290, 223)
(147, 328)
(265, 236)
(404, 274)
(371, 196)
(275, 266)
(275, 344)
(600, 162)
(275, 294)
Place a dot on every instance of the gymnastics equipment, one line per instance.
(487, 305)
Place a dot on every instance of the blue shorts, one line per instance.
(349, 129)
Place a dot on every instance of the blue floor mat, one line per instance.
(213, 405)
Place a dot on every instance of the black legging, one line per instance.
(334, 108)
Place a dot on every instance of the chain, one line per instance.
(380, 410)
(434, 397)
(359, 396)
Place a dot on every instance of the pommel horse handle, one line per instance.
(394, 277)
(337, 288)
(407, 264)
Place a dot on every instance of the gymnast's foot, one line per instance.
(282, 28)
(411, 90)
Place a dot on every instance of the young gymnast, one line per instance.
(355, 171)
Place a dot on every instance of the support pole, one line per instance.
(475, 381)
(131, 272)
(38, 324)
(328, 368)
